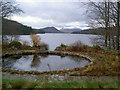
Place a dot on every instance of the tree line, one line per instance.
(107, 14)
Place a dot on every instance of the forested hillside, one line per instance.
(96, 31)
(10, 27)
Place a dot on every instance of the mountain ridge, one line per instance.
(50, 30)
(70, 30)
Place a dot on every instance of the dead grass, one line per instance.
(105, 63)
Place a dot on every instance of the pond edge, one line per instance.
(5, 55)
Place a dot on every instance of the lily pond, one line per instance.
(43, 62)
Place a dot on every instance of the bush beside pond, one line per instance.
(43, 46)
(15, 45)
(78, 46)
(61, 47)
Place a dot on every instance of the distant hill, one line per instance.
(70, 30)
(97, 31)
(38, 31)
(50, 30)
(10, 27)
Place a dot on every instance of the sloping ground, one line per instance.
(10, 27)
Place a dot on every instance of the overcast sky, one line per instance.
(39, 14)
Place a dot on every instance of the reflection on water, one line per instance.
(15, 57)
(49, 67)
(44, 55)
(35, 61)
(43, 63)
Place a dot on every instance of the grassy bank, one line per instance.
(21, 83)
(106, 62)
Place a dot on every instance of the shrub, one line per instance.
(96, 47)
(43, 46)
(73, 48)
(5, 46)
(62, 47)
(77, 46)
(15, 45)
(115, 52)
(85, 46)
(27, 47)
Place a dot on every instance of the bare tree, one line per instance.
(9, 8)
(118, 25)
(106, 14)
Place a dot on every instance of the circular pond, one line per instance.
(43, 62)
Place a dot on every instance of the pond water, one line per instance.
(43, 62)
(54, 40)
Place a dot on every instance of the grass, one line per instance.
(22, 83)
(105, 61)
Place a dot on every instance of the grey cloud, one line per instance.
(58, 12)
